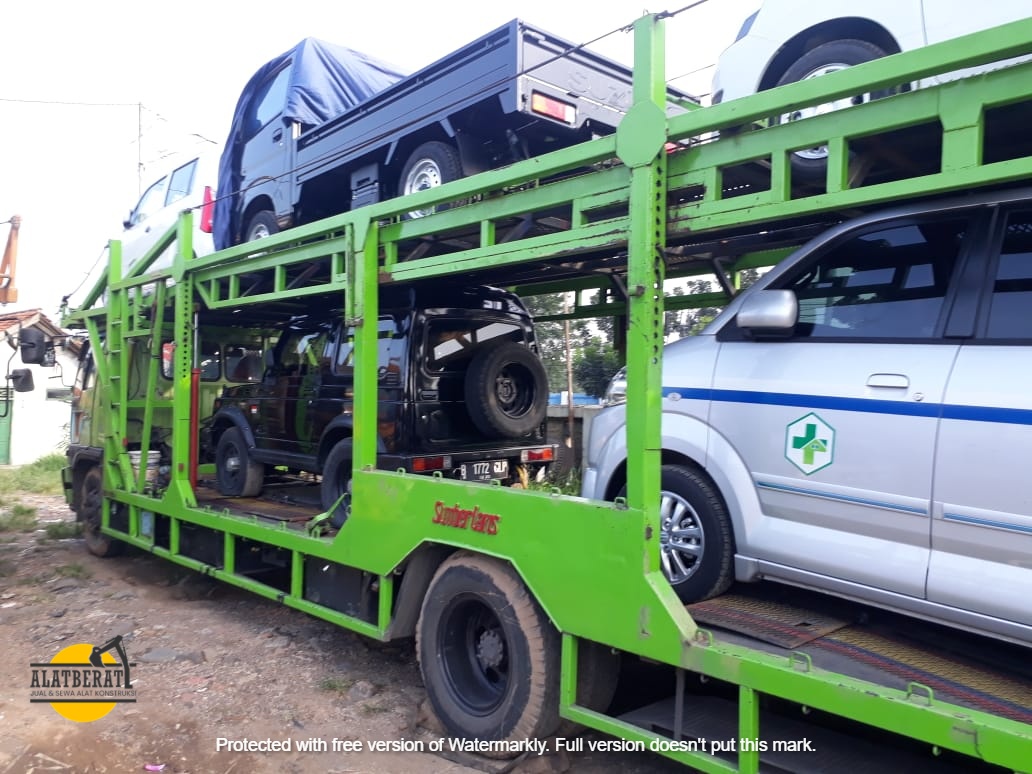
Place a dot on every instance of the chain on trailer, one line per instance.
(663, 197)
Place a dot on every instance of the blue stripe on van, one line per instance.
(1011, 416)
(842, 498)
(986, 523)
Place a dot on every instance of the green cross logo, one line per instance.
(809, 443)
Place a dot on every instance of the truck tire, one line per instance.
(488, 654)
(506, 390)
(91, 495)
(262, 224)
(236, 474)
(430, 165)
(810, 165)
(336, 481)
(696, 539)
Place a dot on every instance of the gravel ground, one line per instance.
(211, 662)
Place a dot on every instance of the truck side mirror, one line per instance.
(33, 345)
(21, 380)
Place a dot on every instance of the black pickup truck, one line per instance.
(308, 141)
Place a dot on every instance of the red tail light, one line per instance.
(207, 209)
(536, 455)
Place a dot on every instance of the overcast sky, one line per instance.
(77, 144)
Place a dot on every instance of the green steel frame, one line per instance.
(616, 212)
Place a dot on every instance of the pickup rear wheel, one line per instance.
(262, 224)
(488, 654)
(506, 390)
(431, 164)
(91, 495)
(336, 482)
(696, 542)
(236, 474)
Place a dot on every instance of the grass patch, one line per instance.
(41, 477)
(374, 709)
(60, 530)
(335, 684)
(75, 570)
(20, 518)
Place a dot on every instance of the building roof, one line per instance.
(28, 319)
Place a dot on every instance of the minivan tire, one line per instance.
(835, 53)
(691, 505)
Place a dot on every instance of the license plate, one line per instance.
(484, 471)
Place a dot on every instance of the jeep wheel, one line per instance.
(336, 482)
(236, 474)
(506, 390)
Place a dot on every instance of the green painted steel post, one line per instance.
(748, 730)
(364, 310)
(640, 142)
(182, 365)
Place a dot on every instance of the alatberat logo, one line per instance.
(84, 682)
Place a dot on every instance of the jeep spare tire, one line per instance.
(506, 391)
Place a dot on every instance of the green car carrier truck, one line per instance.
(502, 586)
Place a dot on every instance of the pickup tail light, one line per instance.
(536, 455)
(207, 209)
(554, 108)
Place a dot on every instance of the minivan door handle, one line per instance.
(897, 381)
(277, 135)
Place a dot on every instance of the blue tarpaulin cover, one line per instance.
(325, 81)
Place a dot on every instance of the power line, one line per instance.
(68, 103)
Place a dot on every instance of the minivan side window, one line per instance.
(884, 284)
(181, 182)
(153, 199)
(1011, 302)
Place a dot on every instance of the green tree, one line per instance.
(594, 365)
(551, 336)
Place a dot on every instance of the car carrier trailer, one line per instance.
(502, 588)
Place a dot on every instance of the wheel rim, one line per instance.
(231, 463)
(513, 391)
(258, 231)
(474, 653)
(424, 175)
(681, 538)
(820, 152)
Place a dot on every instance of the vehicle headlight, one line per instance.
(616, 392)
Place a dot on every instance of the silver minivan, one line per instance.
(190, 185)
(860, 422)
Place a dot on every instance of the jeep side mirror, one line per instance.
(21, 380)
(33, 345)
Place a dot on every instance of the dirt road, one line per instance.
(211, 663)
